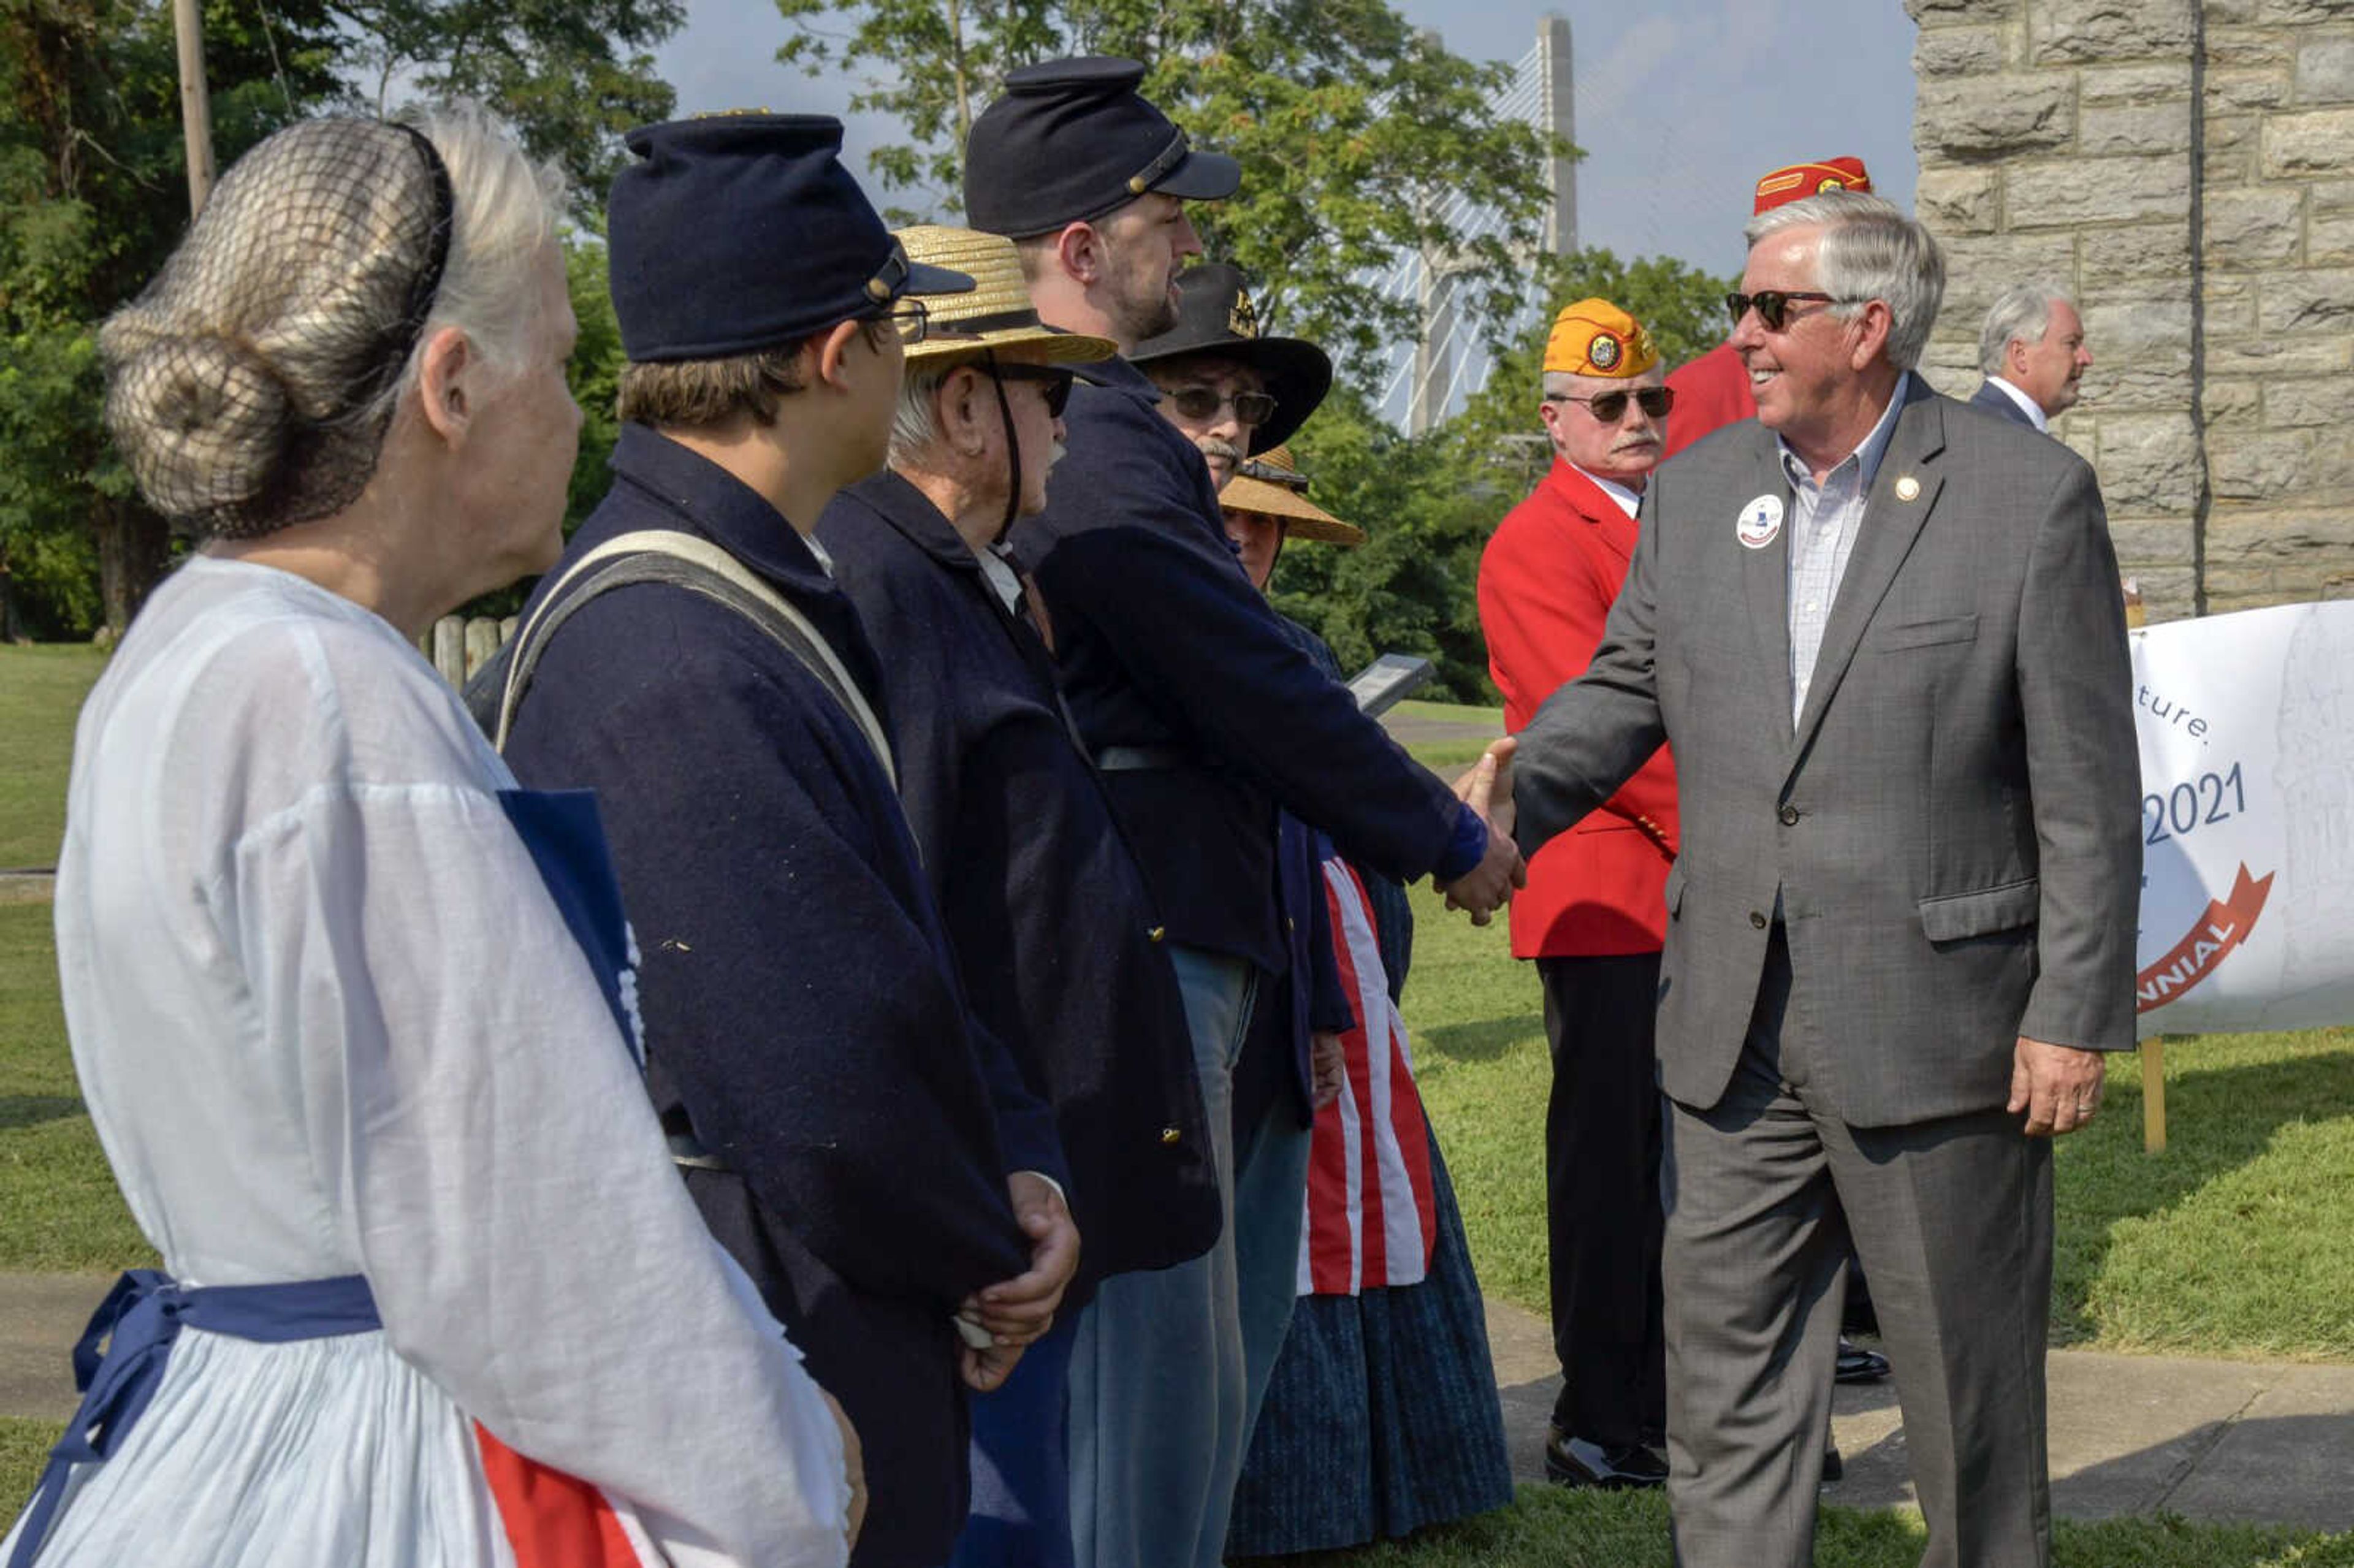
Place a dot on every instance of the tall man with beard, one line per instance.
(1203, 717)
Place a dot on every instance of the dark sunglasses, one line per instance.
(1056, 379)
(1611, 407)
(1772, 306)
(1253, 408)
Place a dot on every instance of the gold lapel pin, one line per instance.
(1908, 488)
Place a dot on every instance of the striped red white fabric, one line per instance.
(554, 1520)
(1369, 1218)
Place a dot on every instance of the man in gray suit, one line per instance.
(1884, 635)
(2031, 351)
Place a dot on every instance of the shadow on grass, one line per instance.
(31, 1110)
(2219, 1120)
(1483, 1040)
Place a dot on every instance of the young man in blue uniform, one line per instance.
(1062, 951)
(869, 1155)
(1205, 717)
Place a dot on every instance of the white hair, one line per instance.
(916, 422)
(1870, 250)
(2024, 312)
(507, 212)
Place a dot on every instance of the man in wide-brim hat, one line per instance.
(1055, 928)
(1234, 391)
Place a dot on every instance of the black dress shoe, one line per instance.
(1574, 1462)
(1834, 1468)
(1857, 1364)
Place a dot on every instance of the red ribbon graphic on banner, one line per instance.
(2222, 928)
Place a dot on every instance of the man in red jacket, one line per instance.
(1713, 390)
(1593, 915)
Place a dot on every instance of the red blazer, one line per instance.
(1711, 392)
(1547, 580)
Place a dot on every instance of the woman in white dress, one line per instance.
(351, 1013)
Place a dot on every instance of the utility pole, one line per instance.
(196, 103)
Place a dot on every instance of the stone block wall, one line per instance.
(2186, 169)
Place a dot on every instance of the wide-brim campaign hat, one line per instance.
(1274, 485)
(1070, 141)
(1216, 318)
(997, 312)
(732, 234)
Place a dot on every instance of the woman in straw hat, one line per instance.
(434, 1294)
(1055, 931)
(1380, 1414)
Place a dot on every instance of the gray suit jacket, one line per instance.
(1954, 829)
(1992, 398)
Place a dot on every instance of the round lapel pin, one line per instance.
(1908, 488)
(1759, 522)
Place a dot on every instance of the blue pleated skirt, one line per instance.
(1382, 1417)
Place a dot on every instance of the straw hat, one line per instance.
(997, 314)
(1272, 483)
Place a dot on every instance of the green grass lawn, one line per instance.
(2232, 1243)
(41, 689)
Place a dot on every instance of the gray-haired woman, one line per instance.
(353, 1015)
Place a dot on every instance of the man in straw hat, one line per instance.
(1203, 717)
(1713, 390)
(1592, 917)
(1062, 953)
(870, 1156)
(1884, 637)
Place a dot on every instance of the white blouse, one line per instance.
(328, 1020)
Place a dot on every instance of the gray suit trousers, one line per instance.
(1952, 1218)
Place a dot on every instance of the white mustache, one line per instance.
(1215, 447)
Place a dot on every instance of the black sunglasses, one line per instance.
(1611, 407)
(1197, 402)
(1772, 306)
(1056, 379)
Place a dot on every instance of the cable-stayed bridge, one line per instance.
(1428, 378)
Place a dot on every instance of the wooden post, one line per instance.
(450, 648)
(196, 102)
(481, 642)
(2153, 1050)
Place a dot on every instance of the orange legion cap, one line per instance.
(1595, 337)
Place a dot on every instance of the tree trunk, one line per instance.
(134, 546)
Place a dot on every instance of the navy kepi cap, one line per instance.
(1070, 141)
(736, 233)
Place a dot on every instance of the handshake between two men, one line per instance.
(1487, 789)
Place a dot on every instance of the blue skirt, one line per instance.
(1383, 1414)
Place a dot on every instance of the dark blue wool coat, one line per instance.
(1062, 952)
(1162, 643)
(800, 999)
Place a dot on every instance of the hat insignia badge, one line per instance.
(1602, 351)
(1243, 320)
(1832, 184)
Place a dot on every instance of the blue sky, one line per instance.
(1680, 103)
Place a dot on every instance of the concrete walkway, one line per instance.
(2262, 1442)
(2267, 1442)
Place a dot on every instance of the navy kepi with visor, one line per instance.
(1070, 141)
(736, 233)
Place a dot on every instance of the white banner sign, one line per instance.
(2247, 723)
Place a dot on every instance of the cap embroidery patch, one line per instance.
(1602, 351)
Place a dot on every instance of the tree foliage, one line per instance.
(1361, 139)
(93, 196)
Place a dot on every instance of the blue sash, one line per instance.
(139, 1320)
(566, 840)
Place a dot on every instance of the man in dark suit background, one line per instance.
(1883, 636)
(2031, 351)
